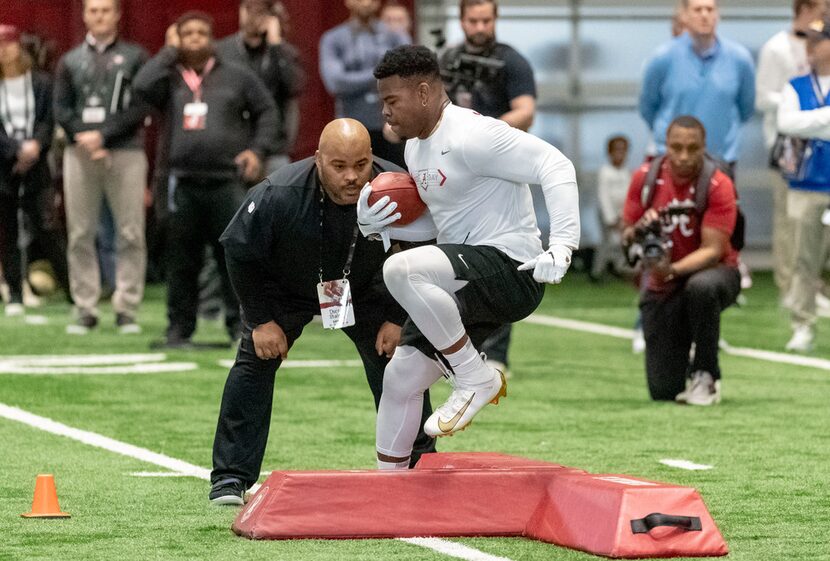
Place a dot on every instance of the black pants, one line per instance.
(29, 199)
(200, 210)
(245, 415)
(497, 344)
(673, 321)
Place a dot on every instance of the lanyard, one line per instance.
(347, 268)
(820, 98)
(194, 80)
(27, 111)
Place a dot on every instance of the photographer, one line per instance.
(490, 77)
(690, 272)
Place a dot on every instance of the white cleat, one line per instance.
(463, 404)
(702, 390)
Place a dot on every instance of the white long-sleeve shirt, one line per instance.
(612, 188)
(793, 121)
(473, 171)
(782, 58)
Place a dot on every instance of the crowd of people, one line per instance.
(288, 240)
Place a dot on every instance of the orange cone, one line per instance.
(45, 504)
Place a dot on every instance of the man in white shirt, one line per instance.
(803, 113)
(783, 57)
(472, 172)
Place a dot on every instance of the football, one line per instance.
(401, 188)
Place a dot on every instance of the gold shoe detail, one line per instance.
(502, 392)
(450, 425)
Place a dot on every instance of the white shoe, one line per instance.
(463, 404)
(15, 310)
(822, 305)
(702, 389)
(638, 343)
(682, 396)
(500, 366)
(802, 339)
(746, 276)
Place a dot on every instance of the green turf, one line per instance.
(576, 399)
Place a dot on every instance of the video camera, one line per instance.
(464, 72)
(649, 243)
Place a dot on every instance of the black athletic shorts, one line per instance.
(496, 294)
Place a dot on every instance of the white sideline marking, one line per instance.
(620, 333)
(225, 363)
(182, 468)
(100, 441)
(36, 320)
(149, 363)
(159, 474)
(453, 549)
(685, 464)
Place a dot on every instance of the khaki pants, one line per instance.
(121, 178)
(783, 251)
(810, 248)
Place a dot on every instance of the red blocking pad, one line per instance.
(626, 517)
(485, 494)
(485, 460)
(387, 504)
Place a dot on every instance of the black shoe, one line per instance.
(228, 491)
(173, 340)
(82, 325)
(126, 324)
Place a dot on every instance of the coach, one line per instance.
(296, 229)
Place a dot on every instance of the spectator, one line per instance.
(612, 186)
(704, 75)
(782, 58)
(685, 289)
(294, 230)
(221, 124)
(803, 113)
(25, 137)
(106, 160)
(260, 44)
(348, 55)
(396, 18)
(508, 93)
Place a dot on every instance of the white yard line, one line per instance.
(182, 468)
(685, 464)
(453, 549)
(39, 365)
(6, 368)
(621, 333)
(83, 360)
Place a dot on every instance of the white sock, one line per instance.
(468, 366)
(393, 465)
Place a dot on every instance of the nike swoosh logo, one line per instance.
(449, 425)
(447, 151)
(461, 257)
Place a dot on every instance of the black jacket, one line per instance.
(279, 68)
(44, 128)
(82, 73)
(273, 251)
(241, 115)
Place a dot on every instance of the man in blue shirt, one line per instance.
(348, 56)
(702, 75)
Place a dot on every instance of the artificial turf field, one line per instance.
(575, 398)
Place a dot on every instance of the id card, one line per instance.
(336, 304)
(195, 116)
(94, 115)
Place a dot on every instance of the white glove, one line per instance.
(551, 265)
(375, 220)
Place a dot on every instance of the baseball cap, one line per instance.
(9, 33)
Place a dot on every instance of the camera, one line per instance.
(649, 244)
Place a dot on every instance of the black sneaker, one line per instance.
(82, 325)
(126, 324)
(228, 491)
(173, 340)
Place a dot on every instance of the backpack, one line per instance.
(704, 179)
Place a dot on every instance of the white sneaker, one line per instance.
(802, 339)
(463, 404)
(15, 310)
(702, 389)
(500, 366)
(682, 396)
(638, 343)
(822, 305)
